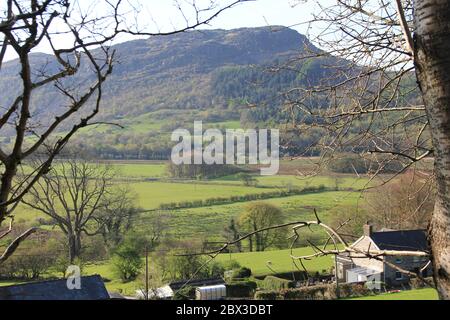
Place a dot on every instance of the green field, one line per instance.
(140, 170)
(287, 181)
(215, 218)
(279, 261)
(152, 194)
(419, 294)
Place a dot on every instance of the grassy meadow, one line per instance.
(277, 261)
(153, 187)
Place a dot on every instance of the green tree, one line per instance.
(127, 262)
(185, 266)
(257, 216)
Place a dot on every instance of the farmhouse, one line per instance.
(375, 272)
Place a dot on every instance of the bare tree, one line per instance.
(156, 228)
(116, 218)
(81, 198)
(405, 203)
(27, 26)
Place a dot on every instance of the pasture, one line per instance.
(151, 194)
(418, 294)
(277, 261)
(152, 187)
(184, 222)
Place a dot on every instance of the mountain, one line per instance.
(163, 82)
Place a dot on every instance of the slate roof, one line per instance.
(407, 240)
(92, 288)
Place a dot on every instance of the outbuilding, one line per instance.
(217, 292)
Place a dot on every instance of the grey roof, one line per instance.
(92, 288)
(407, 240)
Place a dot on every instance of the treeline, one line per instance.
(201, 171)
(352, 163)
(262, 86)
(241, 198)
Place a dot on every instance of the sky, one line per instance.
(164, 16)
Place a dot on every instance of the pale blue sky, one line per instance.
(163, 15)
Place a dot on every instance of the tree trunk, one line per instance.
(74, 247)
(258, 242)
(432, 59)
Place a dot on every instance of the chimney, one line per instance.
(367, 229)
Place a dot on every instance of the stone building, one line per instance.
(376, 273)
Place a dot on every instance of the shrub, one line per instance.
(243, 198)
(247, 179)
(416, 283)
(293, 276)
(127, 262)
(31, 265)
(186, 293)
(242, 273)
(241, 289)
(352, 290)
(185, 267)
(274, 283)
(231, 265)
(267, 295)
(319, 292)
(216, 269)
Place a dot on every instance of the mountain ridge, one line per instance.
(161, 83)
(149, 63)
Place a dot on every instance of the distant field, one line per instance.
(278, 261)
(141, 170)
(184, 222)
(152, 194)
(286, 181)
(419, 294)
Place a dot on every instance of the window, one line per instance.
(398, 275)
(398, 260)
(416, 259)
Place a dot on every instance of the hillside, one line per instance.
(161, 83)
